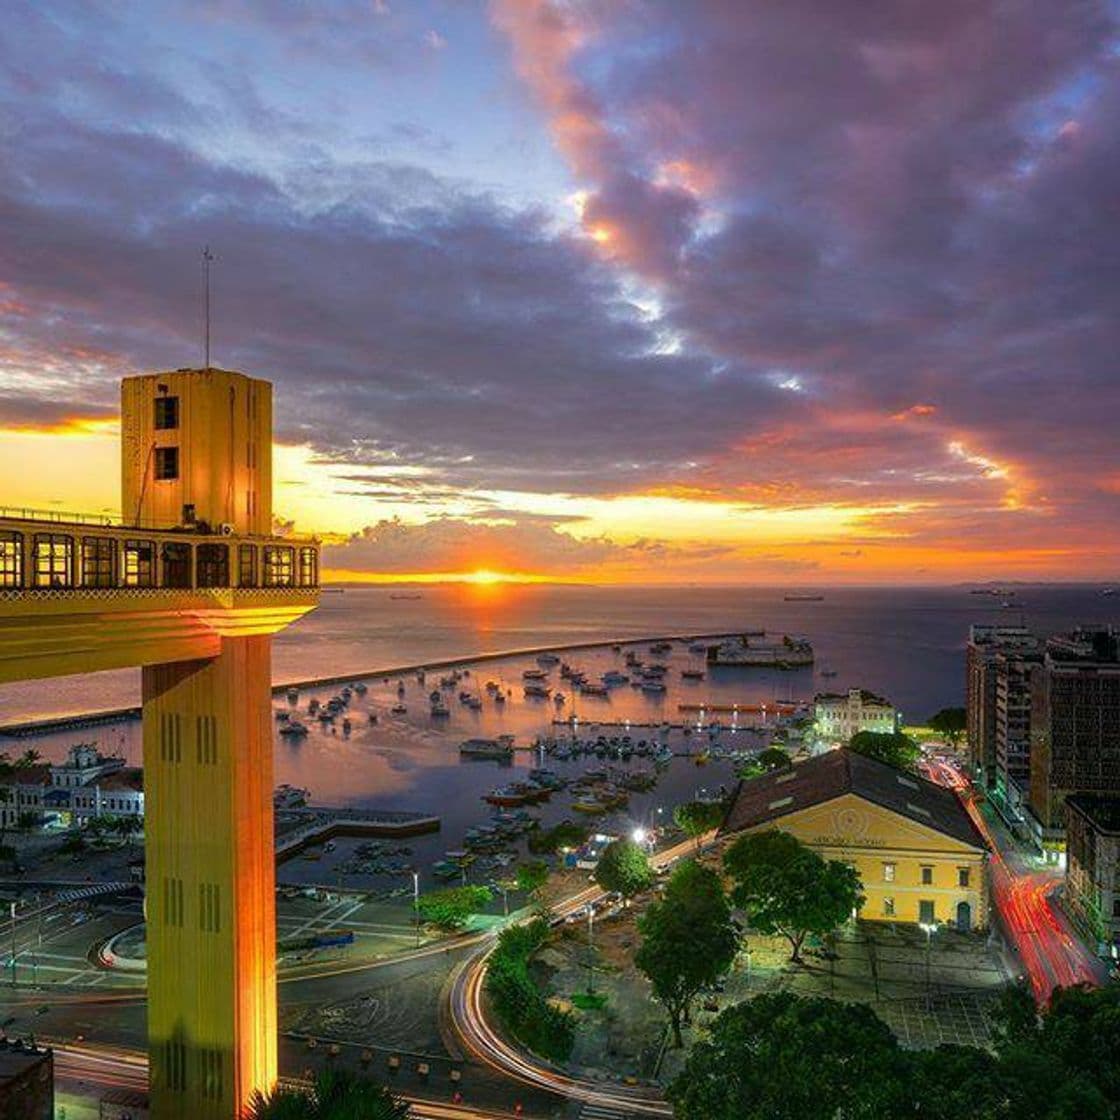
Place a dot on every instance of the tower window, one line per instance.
(11, 559)
(167, 463)
(167, 413)
(53, 560)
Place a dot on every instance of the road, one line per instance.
(485, 1045)
(1050, 950)
(78, 1069)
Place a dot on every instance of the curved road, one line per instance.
(484, 1044)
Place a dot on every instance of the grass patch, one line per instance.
(589, 1001)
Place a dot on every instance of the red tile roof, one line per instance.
(831, 775)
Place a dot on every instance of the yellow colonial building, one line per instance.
(915, 847)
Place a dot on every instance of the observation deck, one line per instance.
(81, 593)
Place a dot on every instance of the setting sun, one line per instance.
(485, 576)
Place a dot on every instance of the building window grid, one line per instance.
(247, 565)
(888, 872)
(139, 563)
(53, 560)
(279, 568)
(308, 567)
(11, 559)
(167, 464)
(166, 414)
(99, 562)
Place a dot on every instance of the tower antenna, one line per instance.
(207, 257)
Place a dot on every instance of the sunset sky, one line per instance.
(821, 291)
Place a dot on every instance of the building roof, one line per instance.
(128, 778)
(843, 697)
(38, 774)
(836, 773)
(1103, 812)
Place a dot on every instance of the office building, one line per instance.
(1092, 891)
(840, 715)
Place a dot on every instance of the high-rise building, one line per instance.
(189, 586)
(1093, 866)
(1075, 725)
(995, 711)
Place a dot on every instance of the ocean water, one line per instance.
(906, 643)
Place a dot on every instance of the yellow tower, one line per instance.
(190, 586)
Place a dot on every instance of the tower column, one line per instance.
(211, 905)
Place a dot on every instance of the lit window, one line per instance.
(888, 907)
(11, 559)
(278, 567)
(308, 567)
(139, 564)
(53, 561)
(247, 565)
(99, 562)
(888, 872)
(167, 464)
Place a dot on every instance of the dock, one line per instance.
(297, 829)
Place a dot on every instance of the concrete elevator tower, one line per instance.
(190, 586)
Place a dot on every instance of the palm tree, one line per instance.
(334, 1095)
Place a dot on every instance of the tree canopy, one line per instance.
(782, 1057)
(450, 908)
(892, 747)
(624, 867)
(786, 888)
(688, 940)
(336, 1094)
(695, 818)
(949, 722)
(532, 876)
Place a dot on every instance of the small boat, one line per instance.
(293, 695)
(613, 677)
(804, 598)
(360, 688)
(346, 726)
(559, 699)
(486, 748)
(594, 690)
(442, 869)
(589, 805)
(398, 710)
(828, 672)
(293, 729)
(439, 710)
(313, 706)
(534, 675)
(283, 716)
(652, 686)
(547, 659)
(692, 674)
(540, 690)
(373, 717)
(499, 698)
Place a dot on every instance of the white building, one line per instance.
(120, 793)
(839, 716)
(83, 762)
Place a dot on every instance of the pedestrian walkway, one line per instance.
(92, 891)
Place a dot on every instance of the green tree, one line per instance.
(696, 818)
(688, 940)
(521, 1004)
(624, 867)
(786, 888)
(567, 834)
(10, 775)
(950, 723)
(892, 747)
(784, 1057)
(336, 1094)
(532, 876)
(774, 758)
(450, 908)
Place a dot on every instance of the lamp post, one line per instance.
(416, 904)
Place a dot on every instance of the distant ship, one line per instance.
(804, 598)
(416, 596)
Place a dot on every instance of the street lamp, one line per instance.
(416, 904)
(640, 836)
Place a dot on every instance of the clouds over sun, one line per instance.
(796, 258)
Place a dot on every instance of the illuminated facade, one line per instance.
(917, 852)
(190, 586)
